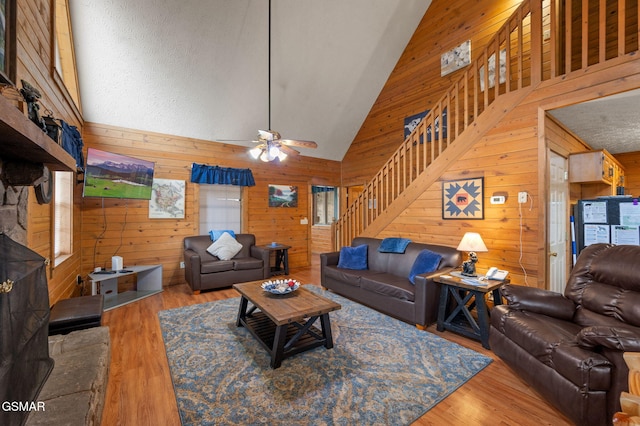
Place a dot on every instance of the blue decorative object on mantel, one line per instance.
(393, 245)
(201, 173)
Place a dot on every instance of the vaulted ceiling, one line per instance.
(199, 68)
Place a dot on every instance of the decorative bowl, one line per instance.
(281, 286)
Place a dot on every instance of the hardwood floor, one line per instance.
(140, 390)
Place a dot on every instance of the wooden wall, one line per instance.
(140, 240)
(34, 65)
(321, 241)
(511, 157)
(415, 84)
(631, 163)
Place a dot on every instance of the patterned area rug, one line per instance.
(380, 371)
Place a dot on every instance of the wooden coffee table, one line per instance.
(284, 324)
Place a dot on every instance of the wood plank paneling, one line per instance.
(415, 84)
(123, 226)
(631, 163)
(511, 157)
(508, 158)
(34, 65)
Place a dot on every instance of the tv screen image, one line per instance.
(110, 175)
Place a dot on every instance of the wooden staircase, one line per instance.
(541, 41)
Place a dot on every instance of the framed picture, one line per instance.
(167, 199)
(456, 58)
(411, 122)
(492, 70)
(463, 199)
(7, 41)
(283, 196)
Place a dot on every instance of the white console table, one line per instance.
(149, 282)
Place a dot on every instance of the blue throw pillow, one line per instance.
(353, 257)
(217, 234)
(427, 261)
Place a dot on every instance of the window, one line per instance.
(63, 55)
(220, 207)
(325, 204)
(62, 216)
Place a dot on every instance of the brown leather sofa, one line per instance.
(385, 285)
(204, 271)
(569, 347)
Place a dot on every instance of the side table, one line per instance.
(281, 266)
(466, 298)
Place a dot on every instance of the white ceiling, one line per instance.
(199, 68)
(612, 122)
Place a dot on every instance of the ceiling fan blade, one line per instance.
(287, 150)
(300, 143)
(235, 140)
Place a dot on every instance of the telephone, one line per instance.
(496, 274)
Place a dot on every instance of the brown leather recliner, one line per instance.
(569, 347)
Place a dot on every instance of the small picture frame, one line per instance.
(463, 199)
(283, 196)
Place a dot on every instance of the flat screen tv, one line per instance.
(110, 175)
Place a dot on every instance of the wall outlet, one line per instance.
(522, 197)
(181, 265)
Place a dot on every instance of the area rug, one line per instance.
(380, 371)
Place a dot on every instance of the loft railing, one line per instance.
(540, 41)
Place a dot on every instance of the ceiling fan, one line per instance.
(270, 143)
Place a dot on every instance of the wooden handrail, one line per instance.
(537, 43)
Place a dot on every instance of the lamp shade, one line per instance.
(472, 241)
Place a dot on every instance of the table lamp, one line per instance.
(471, 242)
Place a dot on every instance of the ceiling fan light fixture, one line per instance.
(274, 152)
(282, 156)
(255, 152)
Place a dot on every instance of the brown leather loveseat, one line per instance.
(569, 347)
(204, 271)
(385, 285)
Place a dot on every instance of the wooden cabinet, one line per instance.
(598, 172)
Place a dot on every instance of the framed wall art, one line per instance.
(463, 199)
(7, 41)
(283, 196)
(456, 58)
(411, 122)
(167, 199)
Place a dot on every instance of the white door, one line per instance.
(558, 222)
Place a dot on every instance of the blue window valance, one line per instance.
(201, 173)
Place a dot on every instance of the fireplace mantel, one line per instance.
(22, 140)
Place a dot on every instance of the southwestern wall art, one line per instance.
(463, 199)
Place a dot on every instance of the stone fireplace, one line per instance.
(13, 212)
(24, 326)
